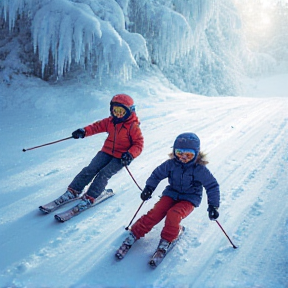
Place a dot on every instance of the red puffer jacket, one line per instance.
(123, 137)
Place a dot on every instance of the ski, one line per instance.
(52, 206)
(160, 254)
(76, 210)
(122, 251)
(126, 245)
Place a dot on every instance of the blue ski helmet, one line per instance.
(187, 141)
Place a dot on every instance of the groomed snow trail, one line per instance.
(246, 142)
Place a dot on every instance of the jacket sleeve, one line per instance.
(137, 141)
(160, 173)
(97, 127)
(211, 186)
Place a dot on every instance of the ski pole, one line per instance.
(24, 150)
(133, 177)
(141, 203)
(235, 247)
(127, 228)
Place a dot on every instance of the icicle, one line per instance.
(72, 31)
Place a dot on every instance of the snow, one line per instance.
(275, 85)
(246, 142)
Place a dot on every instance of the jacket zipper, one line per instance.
(114, 140)
(182, 176)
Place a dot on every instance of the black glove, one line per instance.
(213, 213)
(126, 158)
(147, 192)
(79, 133)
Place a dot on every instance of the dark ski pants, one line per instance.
(102, 167)
(174, 211)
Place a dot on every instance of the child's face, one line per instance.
(118, 111)
(185, 155)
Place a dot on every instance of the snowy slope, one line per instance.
(246, 139)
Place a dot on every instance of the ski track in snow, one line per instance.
(246, 141)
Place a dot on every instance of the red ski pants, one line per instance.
(174, 211)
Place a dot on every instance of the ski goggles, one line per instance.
(188, 154)
(119, 111)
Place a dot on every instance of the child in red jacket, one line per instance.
(123, 144)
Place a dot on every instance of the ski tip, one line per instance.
(109, 190)
(59, 219)
(42, 209)
(118, 256)
(152, 264)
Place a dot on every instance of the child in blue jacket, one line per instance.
(187, 175)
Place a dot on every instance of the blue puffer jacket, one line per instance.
(186, 181)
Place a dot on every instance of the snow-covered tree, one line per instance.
(89, 34)
(198, 44)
